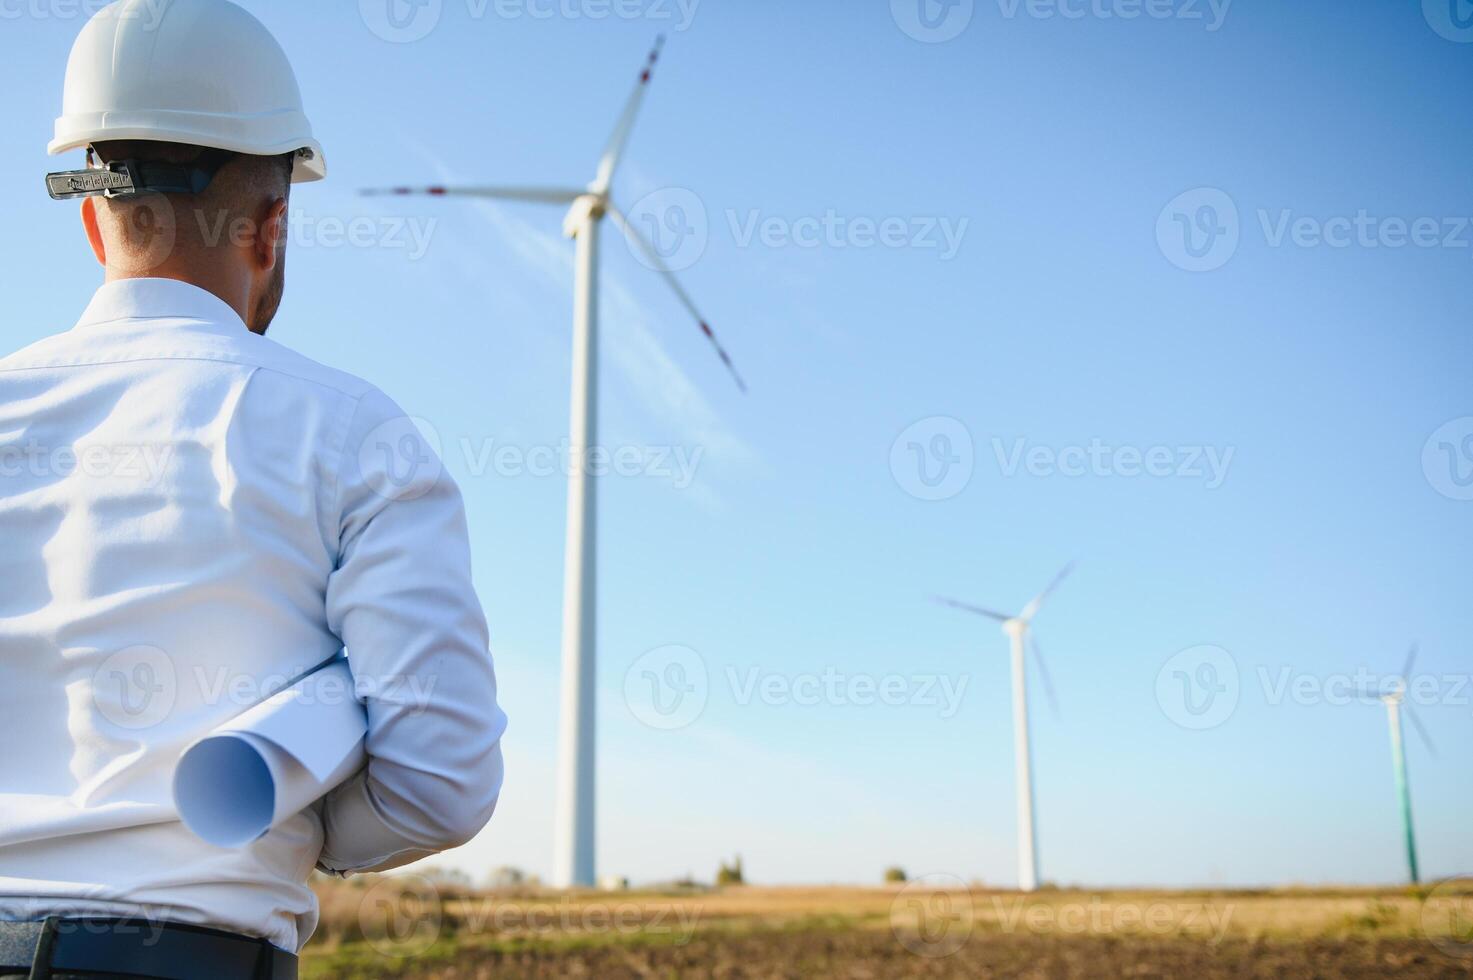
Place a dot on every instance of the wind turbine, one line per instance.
(574, 823)
(1393, 695)
(1019, 631)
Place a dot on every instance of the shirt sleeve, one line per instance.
(402, 602)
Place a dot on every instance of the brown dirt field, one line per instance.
(868, 956)
(882, 933)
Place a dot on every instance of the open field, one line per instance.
(407, 928)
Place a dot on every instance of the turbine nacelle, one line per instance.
(1019, 627)
(1013, 625)
(592, 205)
(1394, 692)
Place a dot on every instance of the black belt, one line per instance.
(138, 947)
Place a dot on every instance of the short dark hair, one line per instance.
(154, 151)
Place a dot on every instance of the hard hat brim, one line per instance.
(195, 129)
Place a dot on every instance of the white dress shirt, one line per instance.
(191, 515)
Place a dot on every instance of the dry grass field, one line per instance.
(408, 928)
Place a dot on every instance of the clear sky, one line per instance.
(1299, 396)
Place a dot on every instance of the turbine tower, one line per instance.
(1393, 695)
(574, 863)
(1020, 635)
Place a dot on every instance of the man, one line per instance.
(192, 515)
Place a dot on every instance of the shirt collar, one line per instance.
(158, 299)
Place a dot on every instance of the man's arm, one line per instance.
(401, 601)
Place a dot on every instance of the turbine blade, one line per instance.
(614, 151)
(967, 607)
(1421, 729)
(1031, 610)
(1406, 669)
(540, 195)
(1048, 681)
(653, 257)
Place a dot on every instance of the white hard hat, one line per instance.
(203, 72)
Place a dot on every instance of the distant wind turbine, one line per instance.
(1393, 695)
(1019, 631)
(574, 825)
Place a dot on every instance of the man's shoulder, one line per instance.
(36, 353)
(284, 380)
(210, 342)
(367, 405)
(362, 412)
(276, 357)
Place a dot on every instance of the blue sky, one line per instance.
(1066, 156)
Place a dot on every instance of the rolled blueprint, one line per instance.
(274, 760)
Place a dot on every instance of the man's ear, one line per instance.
(94, 232)
(271, 242)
